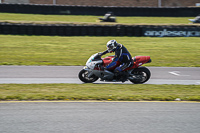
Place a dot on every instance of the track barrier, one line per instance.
(100, 30)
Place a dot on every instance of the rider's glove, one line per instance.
(100, 53)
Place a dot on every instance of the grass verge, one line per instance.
(55, 50)
(38, 18)
(108, 92)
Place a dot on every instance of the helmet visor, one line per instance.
(109, 48)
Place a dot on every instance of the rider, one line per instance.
(122, 55)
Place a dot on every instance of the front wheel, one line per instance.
(140, 75)
(83, 76)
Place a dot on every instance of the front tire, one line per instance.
(140, 75)
(83, 76)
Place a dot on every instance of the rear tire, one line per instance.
(141, 75)
(83, 76)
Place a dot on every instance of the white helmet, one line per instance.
(111, 45)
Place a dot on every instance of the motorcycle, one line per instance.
(93, 70)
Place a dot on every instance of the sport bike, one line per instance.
(93, 70)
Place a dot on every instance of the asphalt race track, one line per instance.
(69, 74)
(99, 117)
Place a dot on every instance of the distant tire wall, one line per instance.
(99, 30)
(97, 10)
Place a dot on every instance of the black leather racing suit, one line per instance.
(123, 56)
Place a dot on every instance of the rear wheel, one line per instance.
(83, 76)
(140, 75)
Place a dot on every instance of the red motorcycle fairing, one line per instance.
(107, 60)
(138, 61)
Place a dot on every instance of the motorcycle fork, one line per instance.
(90, 72)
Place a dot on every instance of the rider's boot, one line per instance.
(117, 76)
(124, 76)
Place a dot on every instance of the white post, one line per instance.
(54, 2)
(0, 1)
(159, 3)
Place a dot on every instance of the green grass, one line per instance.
(108, 92)
(54, 50)
(91, 19)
